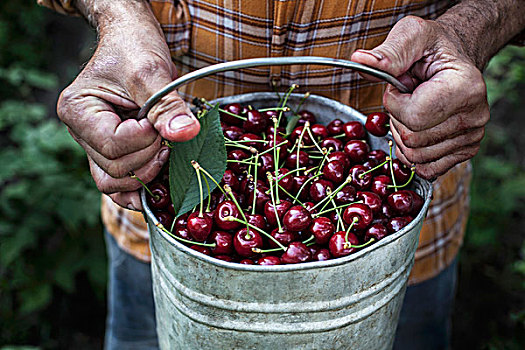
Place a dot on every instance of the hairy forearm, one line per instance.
(485, 26)
(105, 14)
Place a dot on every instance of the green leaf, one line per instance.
(35, 298)
(208, 149)
(292, 122)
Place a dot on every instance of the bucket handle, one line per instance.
(266, 61)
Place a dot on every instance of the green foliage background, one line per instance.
(52, 259)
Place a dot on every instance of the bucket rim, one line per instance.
(426, 185)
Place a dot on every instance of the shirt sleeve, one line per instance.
(61, 6)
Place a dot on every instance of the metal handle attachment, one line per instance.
(267, 61)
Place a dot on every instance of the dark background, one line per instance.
(52, 255)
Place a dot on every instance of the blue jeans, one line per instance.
(424, 322)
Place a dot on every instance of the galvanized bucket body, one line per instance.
(346, 303)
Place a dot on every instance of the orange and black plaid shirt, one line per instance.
(204, 32)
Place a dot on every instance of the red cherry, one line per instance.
(229, 178)
(331, 143)
(334, 171)
(322, 228)
(371, 199)
(224, 210)
(322, 255)
(161, 196)
(338, 246)
(291, 161)
(378, 155)
(346, 195)
(261, 198)
(201, 249)
(235, 155)
(199, 226)
(401, 202)
(377, 123)
(296, 252)
(297, 218)
(306, 116)
(319, 131)
(401, 171)
(255, 122)
(269, 260)
(380, 185)
(223, 242)
(296, 134)
(266, 164)
(360, 180)
(246, 262)
(285, 237)
(318, 189)
(376, 231)
(272, 212)
(183, 232)
(227, 258)
(357, 150)
(250, 140)
(397, 223)
(232, 132)
(256, 220)
(245, 241)
(165, 218)
(362, 212)
(354, 130)
(340, 157)
(335, 127)
(234, 108)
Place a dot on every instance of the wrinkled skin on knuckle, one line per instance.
(143, 71)
(169, 102)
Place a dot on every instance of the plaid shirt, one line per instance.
(204, 32)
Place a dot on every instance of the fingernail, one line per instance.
(181, 121)
(164, 154)
(375, 54)
(131, 207)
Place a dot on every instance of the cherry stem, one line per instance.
(326, 153)
(255, 184)
(211, 178)
(306, 95)
(354, 220)
(209, 194)
(233, 218)
(338, 207)
(222, 110)
(273, 201)
(300, 139)
(309, 239)
(285, 109)
(196, 166)
(167, 143)
(243, 141)
(339, 136)
(276, 154)
(239, 161)
(249, 148)
(160, 226)
(390, 144)
(230, 193)
(340, 224)
(314, 141)
(295, 199)
(374, 168)
(348, 245)
(262, 251)
(157, 197)
(288, 93)
(333, 194)
(413, 170)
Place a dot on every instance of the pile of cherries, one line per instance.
(314, 194)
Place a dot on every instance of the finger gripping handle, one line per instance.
(267, 61)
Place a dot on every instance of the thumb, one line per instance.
(170, 116)
(405, 44)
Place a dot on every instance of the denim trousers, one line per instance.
(424, 322)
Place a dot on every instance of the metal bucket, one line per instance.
(347, 303)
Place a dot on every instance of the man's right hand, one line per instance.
(131, 63)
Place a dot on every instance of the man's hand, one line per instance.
(132, 62)
(441, 123)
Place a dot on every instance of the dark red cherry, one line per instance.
(247, 262)
(401, 202)
(354, 130)
(397, 223)
(345, 195)
(297, 218)
(201, 249)
(285, 181)
(334, 171)
(271, 129)
(380, 185)
(340, 157)
(161, 196)
(279, 140)
(335, 127)
(322, 228)
(298, 182)
(261, 198)
(306, 116)
(272, 212)
(266, 164)
(183, 232)
(377, 123)
(285, 237)
(296, 135)
(401, 171)
(360, 180)
(376, 231)
(362, 212)
(269, 260)
(339, 246)
(223, 243)
(296, 252)
(319, 131)
(245, 241)
(417, 203)
(234, 108)
(357, 150)
(223, 211)
(229, 178)
(199, 226)
(310, 207)
(322, 254)
(233, 132)
(252, 140)
(331, 143)
(377, 154)
(318, 189)
(165, 218)
(387, 211)
(235, 155)
(256, 220)
(291, 161)
(255, 121)
(371, 199)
